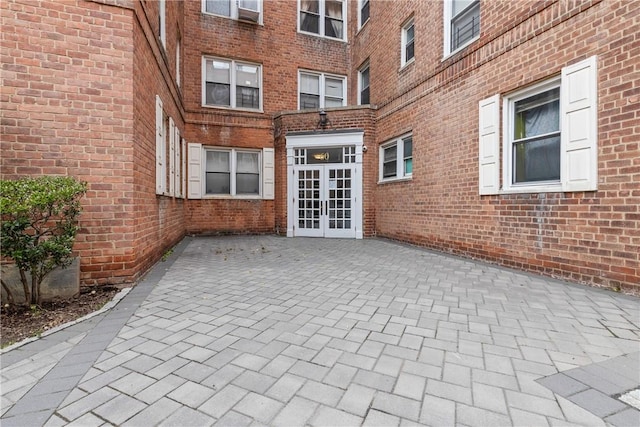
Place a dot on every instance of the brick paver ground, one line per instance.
(274, 331)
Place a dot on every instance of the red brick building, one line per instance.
(506, 131)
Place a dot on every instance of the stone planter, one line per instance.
(61, 283)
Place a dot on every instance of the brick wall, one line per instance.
(589, 237)
(67, 109)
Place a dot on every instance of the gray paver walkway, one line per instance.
(273, 331)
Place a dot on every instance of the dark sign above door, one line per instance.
(324, 155)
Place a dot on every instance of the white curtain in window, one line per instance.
(309, 16)
(247, 75)
(310, 84)
(217, 161)
(247, 163)
(333, 10)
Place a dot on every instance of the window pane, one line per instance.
(537, 160)
(465, 26)
(218, 71)
(537, 115)
(218, 161)
(310, 6)
(364, 77)
(218, 94)
(364, 12)
(333, 9)
(247, 183)
(247, 75)
(408, 166)
(408, 147)
(309, 101)
(390, 153)
(247, 162)
(218, 183)
(310, 84)
(310, 23)
(333, 87)
(460, 5)
(389, 169)
(249, 4)
(247, 97)
(364, 96)
(332, 102)
(410, 36)
(333, 28)
(219, 7)
(409, 52)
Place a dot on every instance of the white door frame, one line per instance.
(301, 140)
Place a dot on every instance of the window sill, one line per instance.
(229, 197)
(259, 23)
(533, 189)
(406, 64)
(450, 54)
(322, 37)
(243, 110)
(392, 180)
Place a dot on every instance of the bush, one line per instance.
(39, 226)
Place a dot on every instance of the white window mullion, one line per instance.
(232, 172)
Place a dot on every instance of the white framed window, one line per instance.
(230, 172)
(320, 90)
(162, 22)
(396, 159)
(231, 84)
(363, 12)
(363, 84)
(325, 18)
(244, 10)
(408, 43)
(461, 23)
(549, 135)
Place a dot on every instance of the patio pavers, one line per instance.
(265, 330)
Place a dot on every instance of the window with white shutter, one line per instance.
(161, 174)
(550, 135)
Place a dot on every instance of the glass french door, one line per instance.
(324, 201)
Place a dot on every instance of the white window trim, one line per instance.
(400, 175)
(232, 95)
(403, 43)
(508, 104)
(365, 66)
(161, 149)
(196, 187)
(163, 22)
(448, 16)
(321, 83)
(233, 12)
(321, 8)
(360, 5)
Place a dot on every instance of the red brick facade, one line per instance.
(80, 81)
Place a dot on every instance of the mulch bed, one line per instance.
(18, 322)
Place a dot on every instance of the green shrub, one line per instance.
(39, 226)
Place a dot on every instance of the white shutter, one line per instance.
(160, 149)
(489, 145)
(183, 175)
(172, 156)
(178, 164)
(579, 137)
(195, 171)
(268, 187)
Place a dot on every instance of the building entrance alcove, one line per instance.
(324, 184)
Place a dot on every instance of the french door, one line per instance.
(324, 200)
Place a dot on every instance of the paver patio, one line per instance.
(273, 331)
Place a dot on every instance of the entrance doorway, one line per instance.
(324, 185)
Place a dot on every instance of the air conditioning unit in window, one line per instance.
(249, 10)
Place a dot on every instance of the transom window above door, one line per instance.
(319, 90)
(325, 18)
